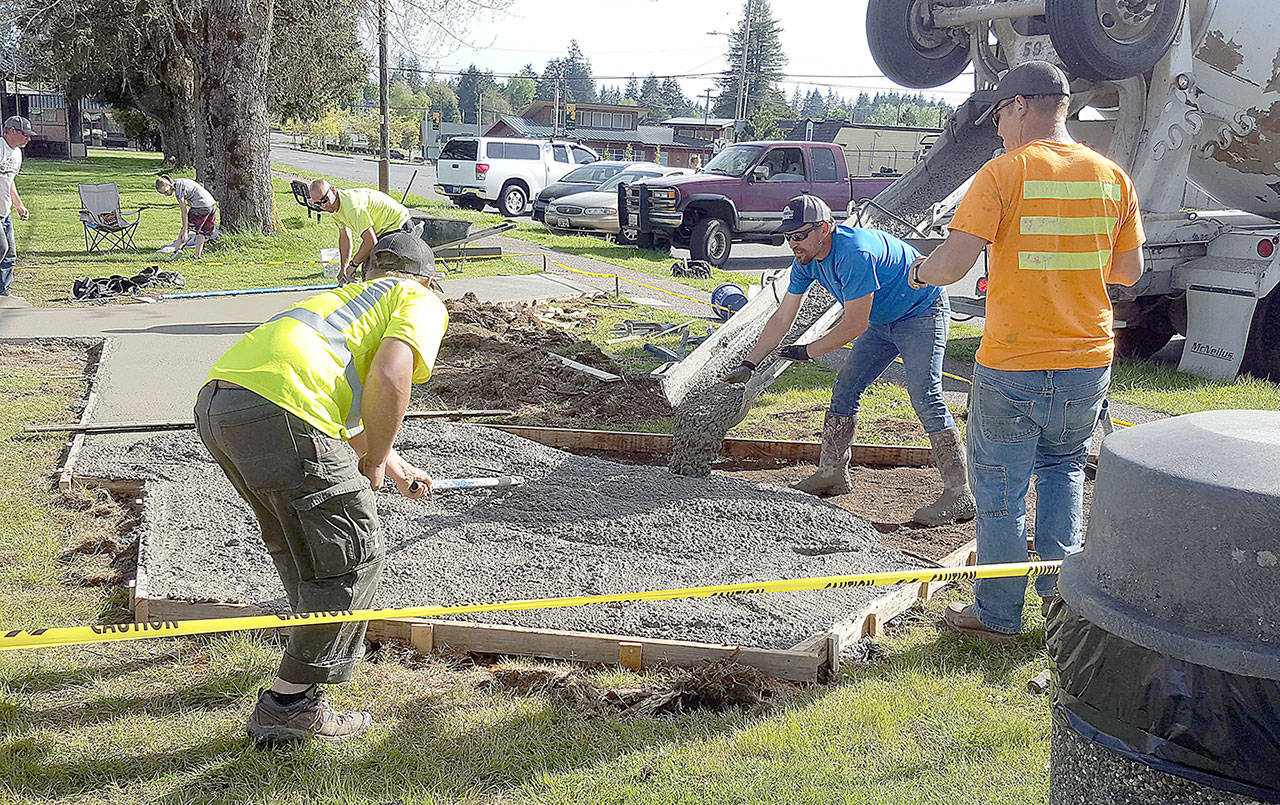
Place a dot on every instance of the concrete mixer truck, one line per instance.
(1177, 92)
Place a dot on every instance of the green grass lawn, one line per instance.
(939, 720)
(51, 244)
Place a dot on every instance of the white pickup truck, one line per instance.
(504, 171)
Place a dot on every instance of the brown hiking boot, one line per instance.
(312, 715)
(832, 475)
(963, 619)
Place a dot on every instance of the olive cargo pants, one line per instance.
(317, 514)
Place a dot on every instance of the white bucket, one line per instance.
(329, 257)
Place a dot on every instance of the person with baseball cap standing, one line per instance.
(866, 271)
(17, 133)
(301, 414)
(1063, 222)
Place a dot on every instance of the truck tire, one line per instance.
(711, 241)
(1103, 40)
(1143, 340)
(512, 200)
(908, 49)
(644, 240)
(628, 236)
(1262, 350)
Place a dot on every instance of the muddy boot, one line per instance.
(312, 715)
(956, 504)
(832, 476)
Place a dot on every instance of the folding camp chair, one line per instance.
(302, 195)
(104, 222)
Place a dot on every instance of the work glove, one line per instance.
(795, 352)
(742, 374)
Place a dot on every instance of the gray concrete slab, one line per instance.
(162, 351)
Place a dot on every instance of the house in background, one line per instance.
(608, 129)
(56, 136)
(869, 149)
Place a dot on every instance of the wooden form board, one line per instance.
(873, 455)
(76, 444)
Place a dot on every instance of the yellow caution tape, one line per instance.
(119, 632)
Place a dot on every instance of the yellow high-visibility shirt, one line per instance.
(363, 208)
(312, 359)
(1054, 214)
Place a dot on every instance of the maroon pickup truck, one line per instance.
(738, 197)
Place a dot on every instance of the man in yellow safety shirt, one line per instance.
(301, 414)
(363, 212)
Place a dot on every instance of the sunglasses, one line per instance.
(796, 237)
(995, 115)
(322, 200)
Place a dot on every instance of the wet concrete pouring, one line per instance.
(579, 526)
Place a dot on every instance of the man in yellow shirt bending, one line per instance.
(1063, 222)
(364, 212)
(300, 414)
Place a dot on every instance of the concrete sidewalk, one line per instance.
(161, 352)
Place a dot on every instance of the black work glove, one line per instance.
(795, 352)
(742, 374)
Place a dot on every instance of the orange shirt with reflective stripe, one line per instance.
(1054, 214)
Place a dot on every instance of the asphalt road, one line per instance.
(356, 169)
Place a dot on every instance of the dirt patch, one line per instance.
(717, 686)
(108, 553)
(888, 496)
(498, 356)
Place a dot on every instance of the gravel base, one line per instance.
(578, 526)
(1083, 773)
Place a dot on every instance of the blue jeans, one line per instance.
(1022, 423)
(8, 254)
(921, 341)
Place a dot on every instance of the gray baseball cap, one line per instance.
(802, 211)
(21, 124)
(1027, 79)
(404, 252)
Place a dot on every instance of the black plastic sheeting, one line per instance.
(1213, 727)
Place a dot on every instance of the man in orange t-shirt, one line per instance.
(1063, 222)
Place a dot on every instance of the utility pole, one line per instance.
(741, 109)
(706, 109)
(555, 111)
(384, 160)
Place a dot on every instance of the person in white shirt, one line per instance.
(17, 133)
(197, 206)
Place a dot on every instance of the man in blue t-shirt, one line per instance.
(866, 271)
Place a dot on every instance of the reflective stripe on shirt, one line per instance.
(331, 329)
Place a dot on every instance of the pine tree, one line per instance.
(764, 65)
(651, 99)
(814, 108)
(797, 102)
(579, 86)
(632, 92)
(673, 98)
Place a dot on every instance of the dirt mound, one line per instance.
(498, 355)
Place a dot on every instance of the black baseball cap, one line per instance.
(802, 211)
(404, 252)
(1027, 79)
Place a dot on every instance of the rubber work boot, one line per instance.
(956, 503)
(312, 715)
(832, 475)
